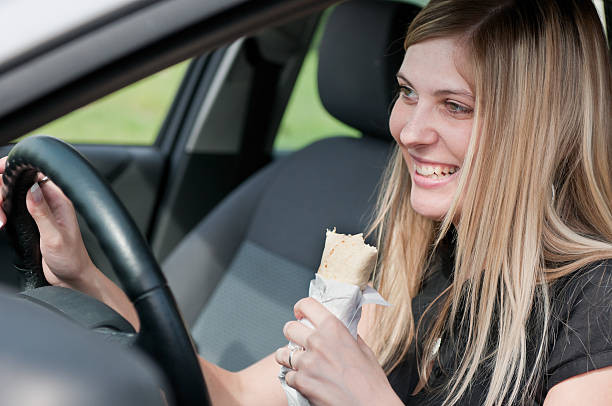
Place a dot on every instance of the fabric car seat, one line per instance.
(237, 275)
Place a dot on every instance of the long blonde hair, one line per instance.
(535, 191)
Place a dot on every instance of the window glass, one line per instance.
(132, 115)
(305, 119)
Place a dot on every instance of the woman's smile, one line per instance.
(431, 174)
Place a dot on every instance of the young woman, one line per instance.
(495, 226)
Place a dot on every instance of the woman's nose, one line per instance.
(419, 128)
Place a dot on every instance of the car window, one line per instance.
(306, 120)
(132, 115)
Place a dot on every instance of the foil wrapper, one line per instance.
(344, 301)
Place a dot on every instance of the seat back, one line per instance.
(256, 252)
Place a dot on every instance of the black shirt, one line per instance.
(580, 336)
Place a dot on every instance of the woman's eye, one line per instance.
(456, 108)
(406, 92)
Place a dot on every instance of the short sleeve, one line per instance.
(582, 315)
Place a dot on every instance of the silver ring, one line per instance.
(43, 181)
(291, 351)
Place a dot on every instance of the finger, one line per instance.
(287, 357)
(296, 380)
(290, 379)
(41, 213)
(59, 203)
(296, 359)
(281, 356)
(312, 310)
(297, 333)
(3, 164)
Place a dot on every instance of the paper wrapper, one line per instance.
(344, 301)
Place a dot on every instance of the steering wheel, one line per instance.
(163, 334)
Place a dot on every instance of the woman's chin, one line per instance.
(429, 207)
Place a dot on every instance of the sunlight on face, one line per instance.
(431, 122)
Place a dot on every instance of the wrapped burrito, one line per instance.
(341, 284)
(347, 259)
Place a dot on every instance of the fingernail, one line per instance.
(1, 224)
(36, 193)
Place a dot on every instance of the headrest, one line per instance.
(359, 56)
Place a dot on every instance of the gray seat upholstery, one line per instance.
(237, 275)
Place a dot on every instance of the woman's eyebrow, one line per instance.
(403, 78)
(458, 92)
(440, 92)
(399, 75)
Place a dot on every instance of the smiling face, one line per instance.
(431, 122)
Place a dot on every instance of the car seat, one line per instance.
(237, 275)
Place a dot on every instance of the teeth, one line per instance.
(434, 172)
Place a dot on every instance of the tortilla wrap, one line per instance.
(347, 258)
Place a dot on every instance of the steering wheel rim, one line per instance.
(163, 334)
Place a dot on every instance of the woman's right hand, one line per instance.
(65, 260)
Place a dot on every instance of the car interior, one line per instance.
(47, 360)
(240, 269)
(237, 227)
(256, 252)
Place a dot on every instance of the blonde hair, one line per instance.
(535, 191)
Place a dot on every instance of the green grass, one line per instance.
(132, 115)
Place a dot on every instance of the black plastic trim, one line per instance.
(179, 120)
(179, 109)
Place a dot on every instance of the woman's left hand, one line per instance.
(333, 368)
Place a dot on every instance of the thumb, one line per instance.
(40, 211)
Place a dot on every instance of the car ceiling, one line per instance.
(55, 80)
(28, 25)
